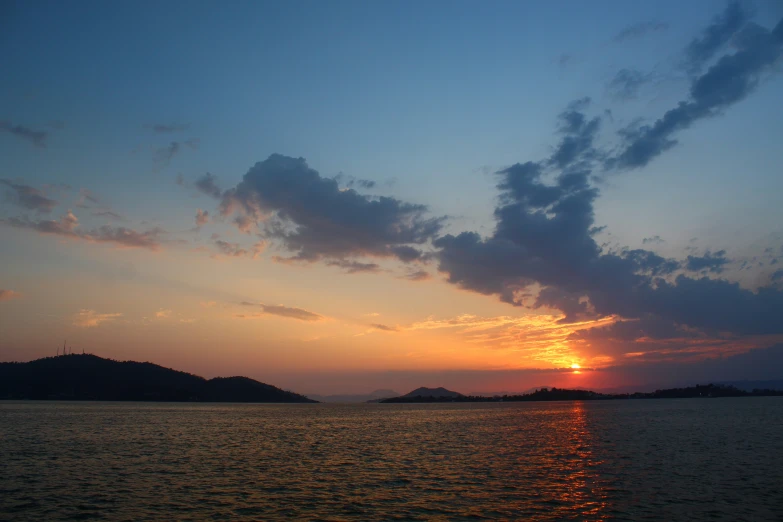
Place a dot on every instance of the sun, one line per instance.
(575, 366)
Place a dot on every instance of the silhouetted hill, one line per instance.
(425, 395)
(89, 377)
(560, 394)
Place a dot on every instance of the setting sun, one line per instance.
(575, 366)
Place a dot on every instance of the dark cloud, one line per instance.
(37, 138)
(383, 327)
(354, 267)
(28, 197)
(109, 214)
(732, 78)
(653, 239)
(578, 134)
(542, 246)
(313, 218)
(639, 30)
(207, 184)
(352, 182)
(626, 84)
(365, 183)
(709, 262)
(162, 128)
(163, 155)
(715, 36)
(67, 227)
(285, 311)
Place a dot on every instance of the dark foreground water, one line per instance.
(707, 459)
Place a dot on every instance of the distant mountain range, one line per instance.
(560, 394)
(89, 377)
(367, 397)
(432, 392)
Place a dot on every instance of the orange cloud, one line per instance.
(7, 295)
(90, 318)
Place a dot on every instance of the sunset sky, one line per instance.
(336, 197)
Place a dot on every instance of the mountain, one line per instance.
(367, 397)
(432, 392)
(89, 377)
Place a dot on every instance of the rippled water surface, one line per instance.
(719, 459)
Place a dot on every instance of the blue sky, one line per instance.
(425, 99)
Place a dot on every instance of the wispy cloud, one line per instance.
(162, 156)
(67, 227)
(7, 295)
(36, 137)
(28, 197)
(640, 30)
(90, 318)
(282, 311)
(164, 128)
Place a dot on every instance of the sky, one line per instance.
(336, 197)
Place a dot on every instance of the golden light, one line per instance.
(575, 366)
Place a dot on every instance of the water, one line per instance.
(719, 459)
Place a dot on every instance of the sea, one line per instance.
(667, 459)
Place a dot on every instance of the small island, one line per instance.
(422, 395)
(87, 377)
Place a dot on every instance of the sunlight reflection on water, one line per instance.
(622, 460)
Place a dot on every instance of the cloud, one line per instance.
(86, 196)
(354, 267)
(163, 155)
(162, 128)
(541, 254)
(384, 327)
(653, 239)
(202, 217)
(284, 311)
(418, 275)
(709, 262)
(639, 30)
(37, 138)
(208, 186)
(208, 304)
(90, 318)
(162, 314)
(730, 80)
(28, 197)
(626, 84)
(352, 182)
(109, 214)
(564, 60)
(312, 217)
(577, 135)
(237, 250)
(230, 249)
(702, 48)
(67, 227)
(7, 295)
